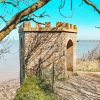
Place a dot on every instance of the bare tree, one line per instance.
(19, 17)
(5, 46)
(25, 14)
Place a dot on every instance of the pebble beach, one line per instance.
(8, 89)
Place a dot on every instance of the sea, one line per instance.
(9, 61)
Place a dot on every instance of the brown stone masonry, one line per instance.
(41, 47)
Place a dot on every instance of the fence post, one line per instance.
(39, 69)
(53, 77)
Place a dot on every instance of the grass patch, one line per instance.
(33, 88)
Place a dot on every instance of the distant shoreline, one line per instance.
(9, 80)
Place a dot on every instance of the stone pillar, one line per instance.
(21, 56)
(74, 55)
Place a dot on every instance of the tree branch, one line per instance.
(5, 2)
(41, 15)
(30, 19)
(16, 19)
(93, 5)
(97, 27)
(3, 19)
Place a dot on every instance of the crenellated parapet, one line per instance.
(60, 26)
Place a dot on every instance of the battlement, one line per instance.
(60, 26)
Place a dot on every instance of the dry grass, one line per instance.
(90, 61)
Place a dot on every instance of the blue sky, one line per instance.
(85, 17)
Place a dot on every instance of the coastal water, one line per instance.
(83, 46)
(9, 62)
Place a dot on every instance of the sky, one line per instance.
(84, 16)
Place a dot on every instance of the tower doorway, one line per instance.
(69, 58)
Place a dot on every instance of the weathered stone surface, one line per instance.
(43, 46)
(60, 26)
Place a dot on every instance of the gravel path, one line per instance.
(79, 88)
(8, 89)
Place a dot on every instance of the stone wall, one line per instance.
(45, 47)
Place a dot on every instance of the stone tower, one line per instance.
(45, 46)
